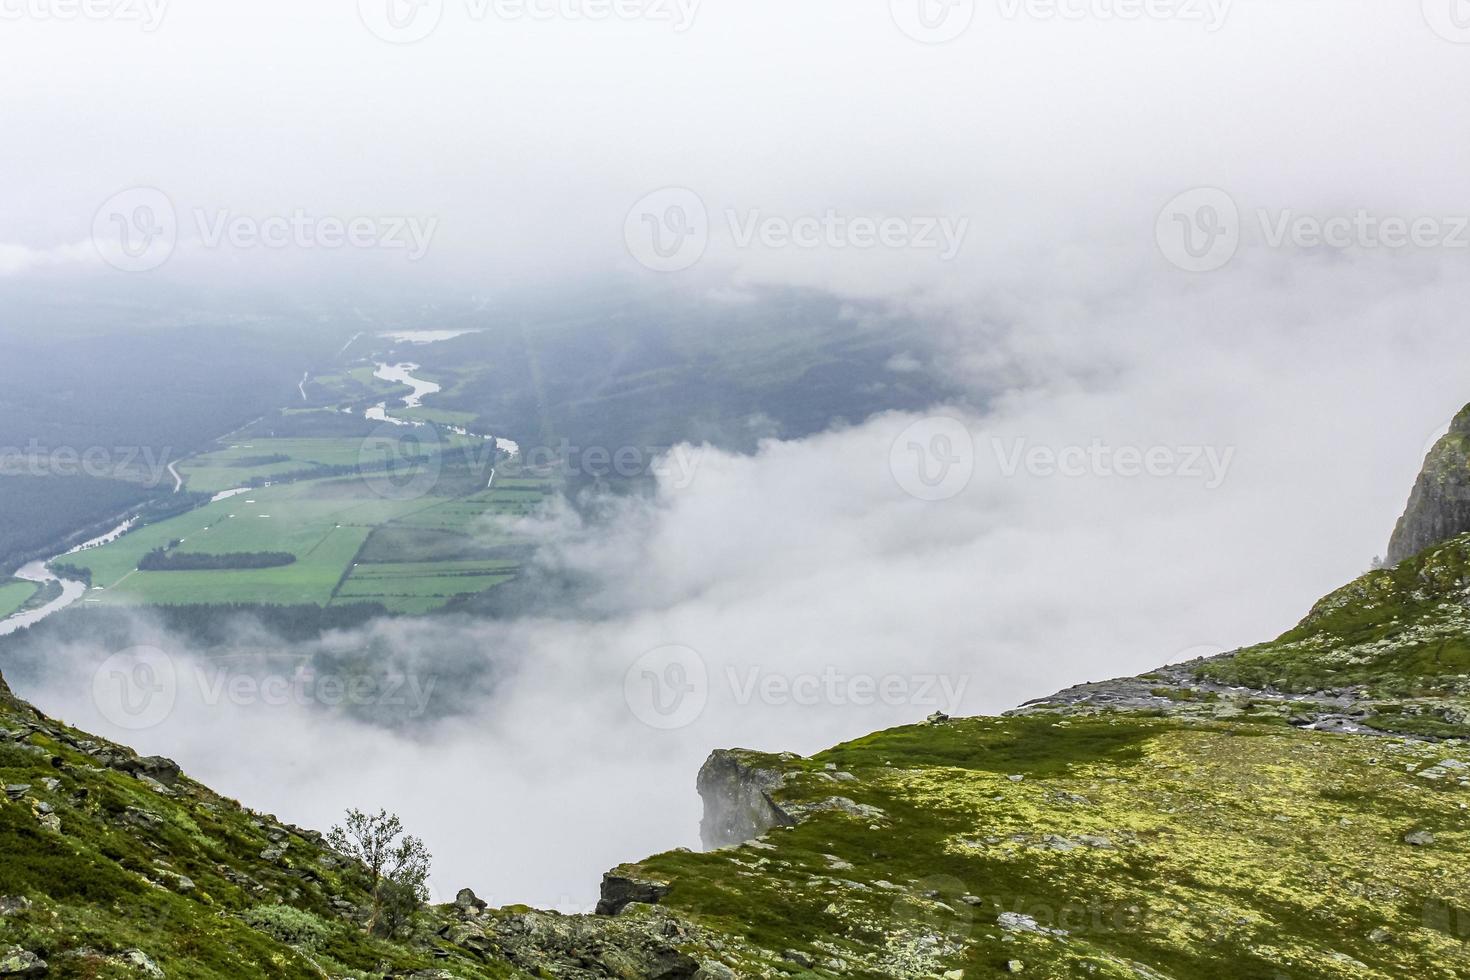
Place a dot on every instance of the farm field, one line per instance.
(323, 531)
(264, 459)
(14, 593)
(371, 512)
(325, 523)
(415, 587)
(463, 512)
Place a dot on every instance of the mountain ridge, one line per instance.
(1293, 809)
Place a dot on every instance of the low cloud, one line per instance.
(823, 588)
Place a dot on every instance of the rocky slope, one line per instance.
(1299, 809)
(112, 865)
(1439, 507)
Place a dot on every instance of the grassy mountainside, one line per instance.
(1439, 506)
(1113, 846)
(1300, 809)
(119, 866)
(1399, 631)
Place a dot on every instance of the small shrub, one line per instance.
(289, 925)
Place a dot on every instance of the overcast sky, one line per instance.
(1287, 388)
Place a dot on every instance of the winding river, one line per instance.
(71, 590)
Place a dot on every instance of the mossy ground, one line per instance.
(113, 877)
(1403, 631)
(1207, 849)
(1196, 834)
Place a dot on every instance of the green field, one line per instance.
(265, 459)
(325, 523)
(14, 593)
(397, 515)
(414, 587)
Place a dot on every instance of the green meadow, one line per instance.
(264, 459)
(14, 593)
(430, 547)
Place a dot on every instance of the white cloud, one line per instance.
(1060, 142)
(18, 260)
(808, 567)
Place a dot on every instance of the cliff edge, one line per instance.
(1439, 506)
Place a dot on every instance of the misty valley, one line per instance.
(647, 490)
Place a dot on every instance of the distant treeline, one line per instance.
(201, 626)
(73, 572)
(45, 515)
(161, 560)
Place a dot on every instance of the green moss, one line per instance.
(1405, 631)
(1203, 850)
(177, 874)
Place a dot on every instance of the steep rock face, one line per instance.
(1439, 507)
(737, 799)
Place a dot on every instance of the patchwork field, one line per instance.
(14, 593)
(325, 524)
(416, 587)
(407, 517)
(259, 460)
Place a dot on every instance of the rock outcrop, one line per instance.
(737, 799)
(1439, 507)
(621, 890)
